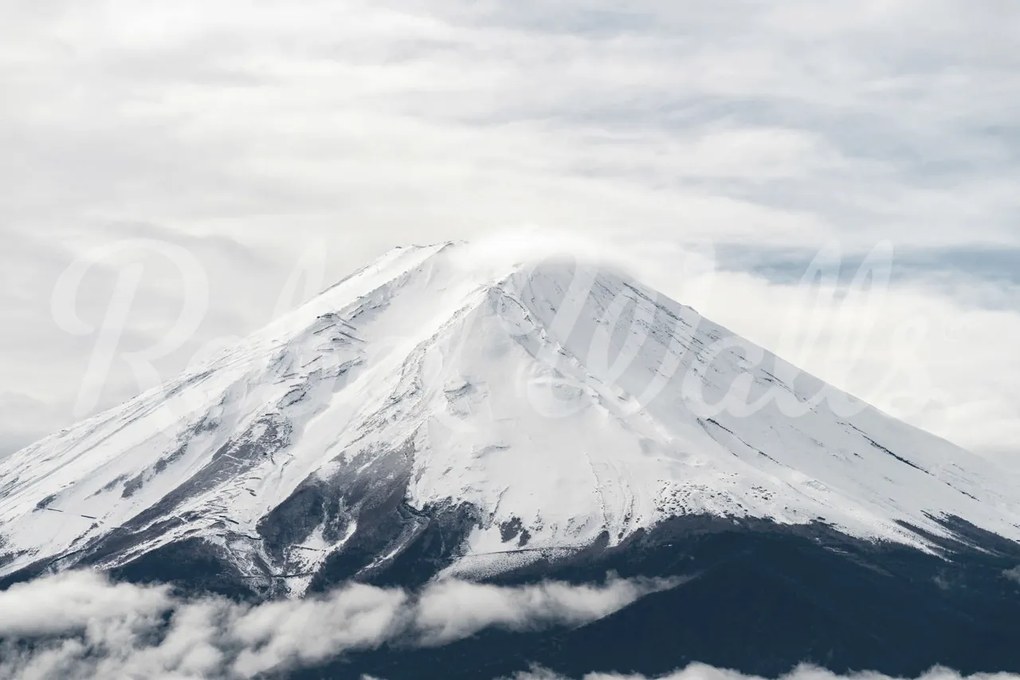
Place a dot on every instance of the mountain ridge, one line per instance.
(519, 411)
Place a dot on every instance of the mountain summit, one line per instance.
(519, 413)
(444, 412)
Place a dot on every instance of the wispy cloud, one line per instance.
(80, 625)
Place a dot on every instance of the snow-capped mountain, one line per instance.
(515, 412)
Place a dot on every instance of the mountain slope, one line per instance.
(478, 416)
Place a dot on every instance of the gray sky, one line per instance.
(274, 146)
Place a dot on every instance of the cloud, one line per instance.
(452, 610)
(703, 672)
(255, 133)
(81, 625)
(297, 632)
(73, 601)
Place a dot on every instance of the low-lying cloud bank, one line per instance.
(702, 672)
(81, 625)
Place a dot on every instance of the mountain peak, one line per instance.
(543, 405)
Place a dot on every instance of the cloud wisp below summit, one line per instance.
(81, 625)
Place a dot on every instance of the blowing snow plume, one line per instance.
(81, 625)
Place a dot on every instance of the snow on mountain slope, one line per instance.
(561, 401)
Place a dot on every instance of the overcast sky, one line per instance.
(248, 153)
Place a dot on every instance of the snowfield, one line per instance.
(563, 401)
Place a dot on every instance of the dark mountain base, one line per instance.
(764, 599)
(761, 599)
